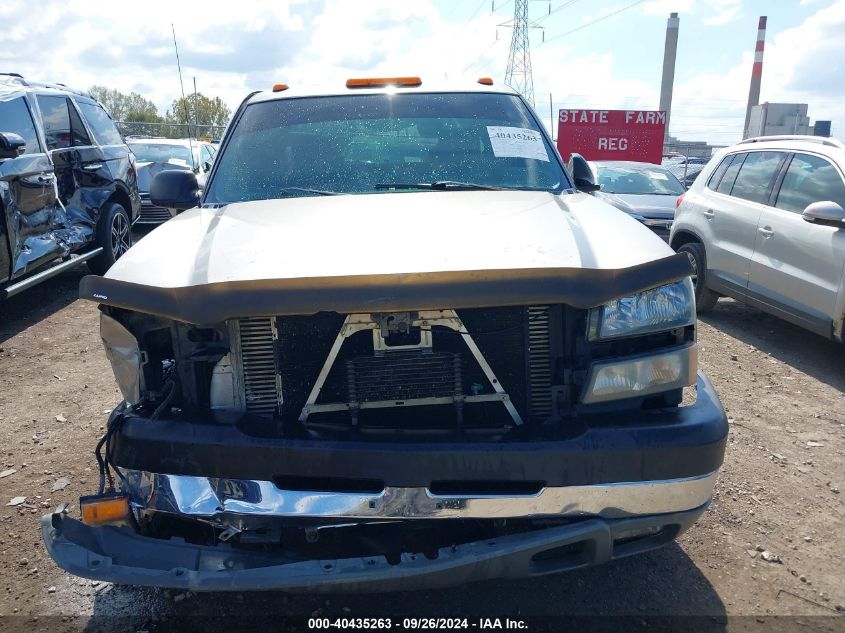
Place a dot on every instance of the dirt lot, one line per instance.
(779, 491)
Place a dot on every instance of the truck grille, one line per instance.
(260, 381)
(282, 358)
(539, 362)
(404, 375)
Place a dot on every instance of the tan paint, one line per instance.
(407, 233)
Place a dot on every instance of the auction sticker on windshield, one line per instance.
(516, 142)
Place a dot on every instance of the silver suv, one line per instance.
(764, 224)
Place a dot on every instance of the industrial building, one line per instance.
(769, 119)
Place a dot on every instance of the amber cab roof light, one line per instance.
(280, 87)
(380, 82)
(485, 81)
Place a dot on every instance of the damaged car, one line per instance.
(68, 190)
(392, 346)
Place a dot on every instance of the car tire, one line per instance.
(114, 235)
(705, 299)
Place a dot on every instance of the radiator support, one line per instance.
(424, 320)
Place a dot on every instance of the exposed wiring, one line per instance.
(170, 391)
(101, 464)
(108, 456)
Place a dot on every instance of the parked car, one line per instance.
(68, 191)
(681, 161)
(391, 346)
(685, 169)
(645, 191)
(764, 224)
(688, 176)
(154, 155)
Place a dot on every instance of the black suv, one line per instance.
(68, 186)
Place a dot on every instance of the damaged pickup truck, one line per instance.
(391, 346)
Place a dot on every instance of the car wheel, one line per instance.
(705, 298)
(114, 235)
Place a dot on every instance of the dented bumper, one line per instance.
(121, 555)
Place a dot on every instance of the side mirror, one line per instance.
(582, 174)
(175, 189)
(11, 145)
(206, 166)
(826, 212)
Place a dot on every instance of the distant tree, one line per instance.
(198, 109)
(126, 107)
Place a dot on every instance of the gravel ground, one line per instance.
(779, 491)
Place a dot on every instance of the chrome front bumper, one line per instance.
(229, 501)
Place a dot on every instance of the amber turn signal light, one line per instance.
(379, 82)
(103, 509)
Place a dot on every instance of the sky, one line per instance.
(603, 54)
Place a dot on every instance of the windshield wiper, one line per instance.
(437, 185)
(316, 192)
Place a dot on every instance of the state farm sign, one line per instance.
(612, 134)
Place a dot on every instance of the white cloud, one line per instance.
(724, 12)
(261, 42)
(130, 46)
(665, 7)
(712, 12)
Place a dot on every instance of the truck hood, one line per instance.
(386, 241)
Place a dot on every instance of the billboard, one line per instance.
(612, 134)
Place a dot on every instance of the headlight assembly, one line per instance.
(658, 309)
(641, 376)
(125, 357)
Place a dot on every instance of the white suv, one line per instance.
(764, 224)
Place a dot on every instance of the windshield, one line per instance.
(649, 180)
(377, 143)
(162, 153)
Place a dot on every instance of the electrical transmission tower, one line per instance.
(518, 75)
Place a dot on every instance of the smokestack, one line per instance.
(756, 74)
(669, 53)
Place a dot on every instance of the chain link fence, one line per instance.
(169, 130)
(686, 160)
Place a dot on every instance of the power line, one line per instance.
(501, 6)
(596, 21)
(553, 11)
(492, 44)
(483, 53)
(483, 68)
(474, 13)
(687, 100)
